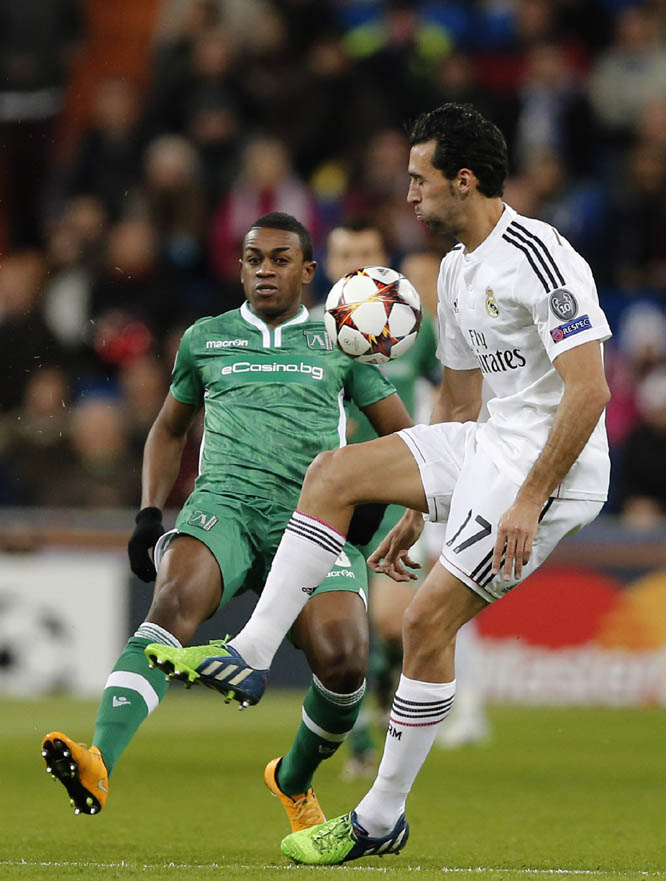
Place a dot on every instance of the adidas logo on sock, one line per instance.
(121, 701)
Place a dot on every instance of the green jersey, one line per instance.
(273, 399)
(419, 362)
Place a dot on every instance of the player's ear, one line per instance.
(465, 180)
(309, 269)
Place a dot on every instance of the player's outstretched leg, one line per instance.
(341, 840)
(80, 770)
(216, 665)
(303, 810)
(131, 693)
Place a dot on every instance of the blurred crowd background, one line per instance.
(140, 139)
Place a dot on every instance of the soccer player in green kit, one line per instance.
(272, 389)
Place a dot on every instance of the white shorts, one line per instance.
(470, 494)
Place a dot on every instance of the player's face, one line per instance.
(437, 200)
(273, 273)
(353, 249)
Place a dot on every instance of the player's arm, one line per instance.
(161, 464)
(388, 415)
(585, 396)
(459, 396)
(164, 449)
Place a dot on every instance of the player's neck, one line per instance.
(274, 321)
(482, 218)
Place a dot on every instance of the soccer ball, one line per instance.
(373, 314)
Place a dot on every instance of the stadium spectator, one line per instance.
(266, 183)
(102, 473)
(34, 439)
(38, 44)
(637, 221)
(639, 348)
(377, 190)
(142, 385)
(643, 484)
(173, 203)
(630, 73)
(133, 296)
(107, 163)
(554, 113)
(395, 54)
(74, 251)
(26, 344)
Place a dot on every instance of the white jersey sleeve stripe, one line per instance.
(543, 248)
(530, 258)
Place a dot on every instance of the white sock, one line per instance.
(418, 708)
(305, 556)
(155, 633)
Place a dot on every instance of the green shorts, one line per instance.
(243, 535)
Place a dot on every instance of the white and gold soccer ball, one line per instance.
(373, 314)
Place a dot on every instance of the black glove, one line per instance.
(148, 529)
(365, 522)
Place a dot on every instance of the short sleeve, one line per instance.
(452, 349)
(366, 384)
(568, 316)
(186, 385)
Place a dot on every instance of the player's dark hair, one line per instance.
(359, 223)
(280, 220)
(465, 139)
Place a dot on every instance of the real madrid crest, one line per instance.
(491, 305)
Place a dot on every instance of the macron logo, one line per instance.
(224, 344)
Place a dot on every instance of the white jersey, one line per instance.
(511, 307)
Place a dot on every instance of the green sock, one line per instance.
(385, 667)
(361, 740)
(327, 720)
(131, 693)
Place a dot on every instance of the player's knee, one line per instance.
(341, 666)
(343, 676)
(327, 475)
(421, 630)
(172, 609)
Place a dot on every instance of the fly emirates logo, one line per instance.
(495, 362)
(274, 367)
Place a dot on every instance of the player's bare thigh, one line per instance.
(187, 589)
(381, 470)
(439, 609)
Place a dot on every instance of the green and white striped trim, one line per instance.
(134, 682)
(342, 700)
(155, 633)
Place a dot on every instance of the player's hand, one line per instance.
(392, 555)
(515, 536)
(146, 533)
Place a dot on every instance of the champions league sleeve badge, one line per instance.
(563, 304)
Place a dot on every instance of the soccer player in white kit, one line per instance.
(518, 306)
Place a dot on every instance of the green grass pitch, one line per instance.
(574, 793)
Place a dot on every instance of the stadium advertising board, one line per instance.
(63, 620)
(588, 628)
